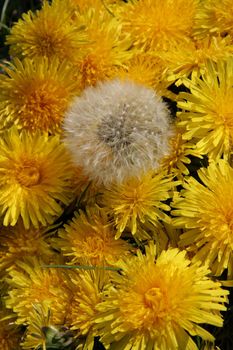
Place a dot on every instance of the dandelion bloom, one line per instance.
(138, 201)
(88, 290)
(117, 129)
(205, 210)
(156, 24)
(42, 332)
(17, 243)
(214, 17)
(106, 48)
(34, 94)
(40, 319)
(207, 110)
(191, 58)
(49, 32)
(160, 304)
(90, 238)
(35, 172)
(146, 69)
(32, 284)
(83, 6)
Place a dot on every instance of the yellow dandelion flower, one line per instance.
(35, 171)
(192, 57)
(35, 93)
(89, 288)
(41, 332)
(49, 32)
(106, 48)
(90, 238)
(84, 5)
(146, 69)
(206, 212)
(17, 242)
(160, 305)
(207, 110)
(178, 159)
(39, 320)
(31, 284)
(214, 17)
(155, 24)
(138, 200)
(9, 332)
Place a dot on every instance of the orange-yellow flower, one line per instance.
(31, 284)
(214, 17)
(17, 243)
(207, 110)
(90, 239)
(106, 48)
(34, 94)
(159, 305)
(35, 172)
(205, 212)
(49, 32)
(156, 24)
(138, 201)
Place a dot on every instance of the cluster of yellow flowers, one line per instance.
(116, 207)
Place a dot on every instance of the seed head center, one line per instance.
(116, 132)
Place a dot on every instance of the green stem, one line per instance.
(2, 25)
(90, 267)
(3, 14)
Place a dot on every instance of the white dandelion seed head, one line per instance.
(116, 130)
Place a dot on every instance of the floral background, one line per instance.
(135, 232)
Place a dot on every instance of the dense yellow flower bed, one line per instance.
(116, 178)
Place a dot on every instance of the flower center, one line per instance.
(42, 106)
(28, 176)
(48, 45)
(41, 101)
(95, 246)
(154, 299)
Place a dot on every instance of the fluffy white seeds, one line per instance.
(117, 130)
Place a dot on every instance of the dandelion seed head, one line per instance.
(117, 129)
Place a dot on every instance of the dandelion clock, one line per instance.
(116, 130)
